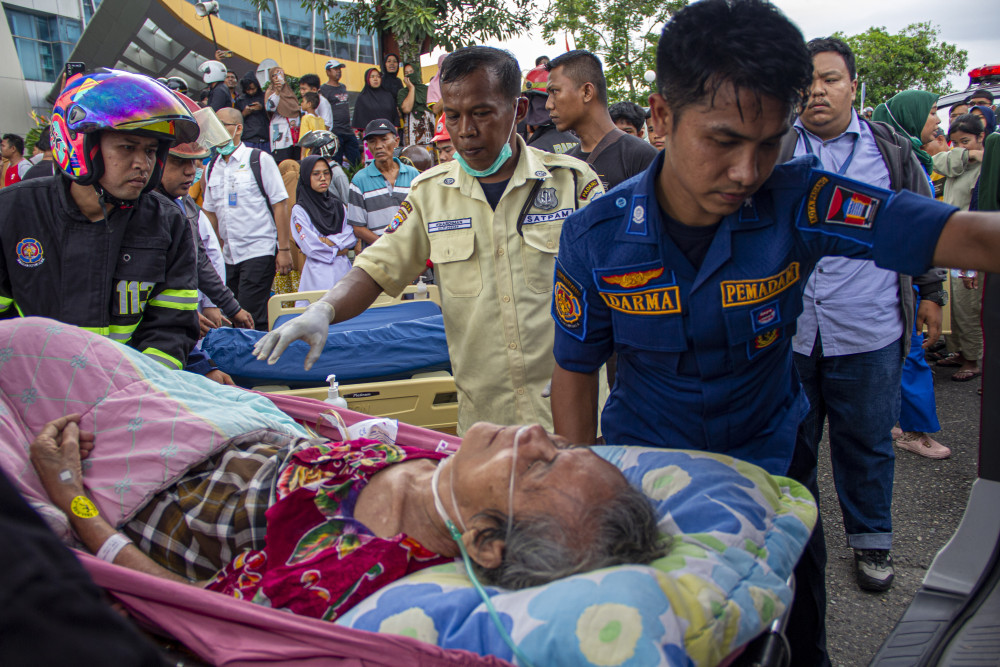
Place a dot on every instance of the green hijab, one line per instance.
(907, 112)
(989, 176)
(419, 94)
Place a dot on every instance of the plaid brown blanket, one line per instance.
(217, 509)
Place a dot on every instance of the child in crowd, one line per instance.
(310, 121)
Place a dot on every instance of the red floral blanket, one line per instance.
(319, 561)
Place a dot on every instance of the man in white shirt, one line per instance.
(255, 242)
(309, 83)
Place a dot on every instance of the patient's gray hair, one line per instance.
(538, 549)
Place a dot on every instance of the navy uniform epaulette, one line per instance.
(612, 205)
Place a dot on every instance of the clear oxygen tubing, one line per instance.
(457, 536)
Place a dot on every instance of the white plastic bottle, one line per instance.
(333, 396)
(421, 289)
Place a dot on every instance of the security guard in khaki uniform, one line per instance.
(490, 222)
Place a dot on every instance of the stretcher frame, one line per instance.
(313, 641)
(428, 400)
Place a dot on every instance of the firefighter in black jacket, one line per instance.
(93, 245)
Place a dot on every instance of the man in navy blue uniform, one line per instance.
(693, 271)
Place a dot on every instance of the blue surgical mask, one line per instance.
(197, 174)
(505, 154)
(227, 149)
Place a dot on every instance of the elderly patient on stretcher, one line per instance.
(343, 519)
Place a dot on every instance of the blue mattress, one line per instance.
(388, 343)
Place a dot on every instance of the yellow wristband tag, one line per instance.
(83, 507)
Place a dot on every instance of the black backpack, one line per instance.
(254, 168)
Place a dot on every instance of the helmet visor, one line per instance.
(212, 132)
(129, 102)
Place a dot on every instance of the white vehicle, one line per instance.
(987, 76)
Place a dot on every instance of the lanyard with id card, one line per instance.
(232, 192)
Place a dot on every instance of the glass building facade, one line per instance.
(44, 41)
(288, 22)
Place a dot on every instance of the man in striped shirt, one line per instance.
(378, 189)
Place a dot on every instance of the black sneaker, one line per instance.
(873, 568)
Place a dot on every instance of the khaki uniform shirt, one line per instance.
(496, 285)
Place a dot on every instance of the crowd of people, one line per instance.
(744, 280)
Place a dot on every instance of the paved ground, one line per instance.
(928, 500)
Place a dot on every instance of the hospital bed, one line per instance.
(737, 531)
(391, 361)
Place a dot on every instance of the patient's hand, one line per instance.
(220, 376)
(56, 454)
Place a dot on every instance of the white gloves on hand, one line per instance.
(311, 326)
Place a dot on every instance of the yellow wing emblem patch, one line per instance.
(634, 279)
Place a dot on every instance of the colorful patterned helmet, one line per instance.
(110, 99)
(536, 81)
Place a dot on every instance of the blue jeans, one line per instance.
(349, 148)
(859, 395)
(918, 409)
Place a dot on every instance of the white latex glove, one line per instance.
(311, 326)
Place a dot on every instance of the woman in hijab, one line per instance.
(434, 87)
(988, 116)
(390, 74)
(374, 101)
(319, 227)
(961, 167)
(914, 114)
(284, 105)
(418, 121)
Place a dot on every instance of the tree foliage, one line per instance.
(910, 59)
(623, 33)
(449, 23)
